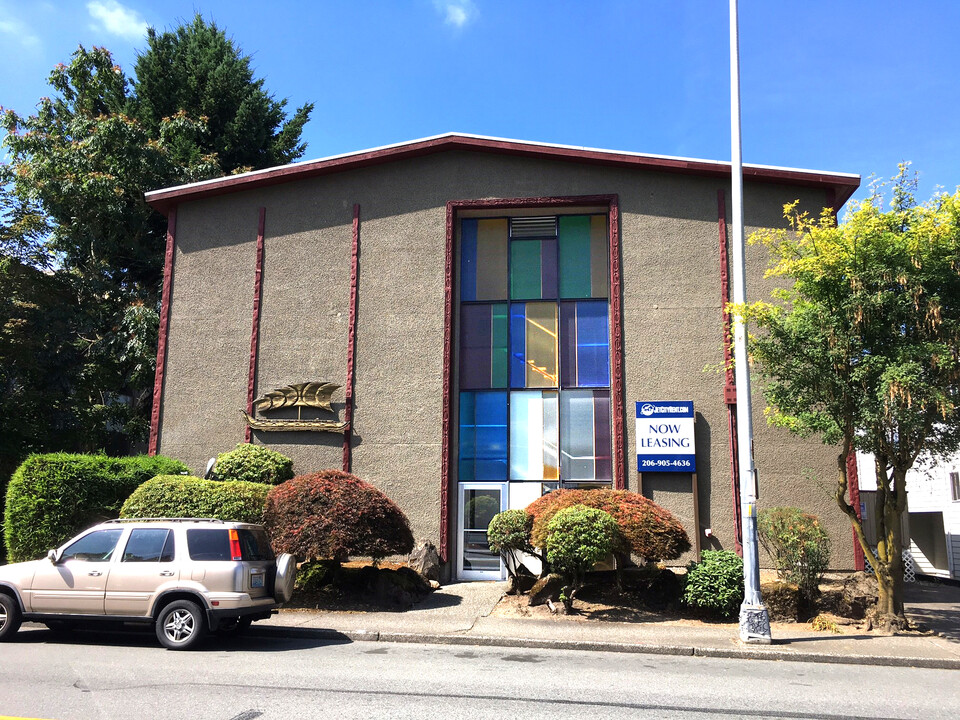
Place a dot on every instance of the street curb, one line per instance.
(742, 653)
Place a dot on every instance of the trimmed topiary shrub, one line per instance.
(335, 515)
(644, 527)
(52, 497)
(799, 546)
(578, 537)
(183, 496)
(715, 584)
(508, 534)
(254, 463)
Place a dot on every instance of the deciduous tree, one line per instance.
(862, 348)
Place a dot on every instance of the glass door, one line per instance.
(477, 504)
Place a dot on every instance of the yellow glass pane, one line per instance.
(492, 259)
(542, 346)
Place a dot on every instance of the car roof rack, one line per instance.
(162, 519)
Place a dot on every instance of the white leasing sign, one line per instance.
(665, 437)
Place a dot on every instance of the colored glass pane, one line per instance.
(534, 429)
(548, 269)
(499, 354)
(542, 348)
(577, 435)
(599, 273)
(574, 251)
(525, 270)
(491, 259)
(483, 436)
(518, 345)
(483, 346)
(468, 260)
(593, 344)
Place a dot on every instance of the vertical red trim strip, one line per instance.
(351, 341)
(730, 383)
(447, 384)
(163, 331)
(255, 330)
(616, 331)
(853, 482)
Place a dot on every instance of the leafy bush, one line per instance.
(644, 527)
(254, 463)
(179, 496)
(332, 514)
(578, 537)
(715, 584)
(509, 533)
(52, 497)
(799, 546)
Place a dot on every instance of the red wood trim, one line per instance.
(255, 330)
(161, 200)
(351, 341)
(730, 383)
(616, 337)
(447, 410)
(163, 331)
(612, 205)
(853, 483)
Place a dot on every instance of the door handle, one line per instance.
(95, 573)
(166, 573)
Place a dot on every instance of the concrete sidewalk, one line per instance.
(461, 614)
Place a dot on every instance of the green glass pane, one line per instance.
(499, 357)
(575, 253)
(525, 270)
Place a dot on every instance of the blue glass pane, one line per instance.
(483, 424)
(468, 260)
(518, 345)
(593, 345)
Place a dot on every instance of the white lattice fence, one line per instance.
(909, 566)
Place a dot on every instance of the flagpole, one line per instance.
(754, 620)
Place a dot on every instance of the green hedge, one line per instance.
(254, 463)
(52, 497)
(185, 496)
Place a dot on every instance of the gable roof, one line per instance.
(842, 184)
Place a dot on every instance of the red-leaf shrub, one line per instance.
(332, 514)
(644, 527)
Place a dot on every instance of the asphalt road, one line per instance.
(127, 675)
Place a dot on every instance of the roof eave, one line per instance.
(843, 185)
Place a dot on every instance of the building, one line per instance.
(494, 311)
(931, 525)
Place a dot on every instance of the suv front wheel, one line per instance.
(181, 625)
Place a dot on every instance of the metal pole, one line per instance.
(754, 620)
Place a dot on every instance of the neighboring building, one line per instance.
(931, 525)
(494, 310)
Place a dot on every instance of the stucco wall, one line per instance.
(671, 304)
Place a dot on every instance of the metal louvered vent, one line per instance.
(521, 227)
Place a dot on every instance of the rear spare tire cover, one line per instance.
(286, 576)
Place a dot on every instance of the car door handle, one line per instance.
(95, 573)
(166, 573)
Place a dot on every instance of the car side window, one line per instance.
(97, 546)
(149, 545)
(208, 544)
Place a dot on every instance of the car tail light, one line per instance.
(235, 553)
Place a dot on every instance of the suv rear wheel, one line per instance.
(10, 617)
(181, 625)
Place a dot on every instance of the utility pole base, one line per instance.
(754, 625)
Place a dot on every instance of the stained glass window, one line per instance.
(534, 350)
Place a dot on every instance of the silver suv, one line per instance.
(184, 576)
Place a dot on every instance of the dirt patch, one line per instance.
(359, 586)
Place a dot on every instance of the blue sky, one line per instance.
(843, 85)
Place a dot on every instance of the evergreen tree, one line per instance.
(198, 70)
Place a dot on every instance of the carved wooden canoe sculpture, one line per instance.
(299, 395)
(308, 394)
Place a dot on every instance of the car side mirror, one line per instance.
(52, 556)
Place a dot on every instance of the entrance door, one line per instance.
(478, 503)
